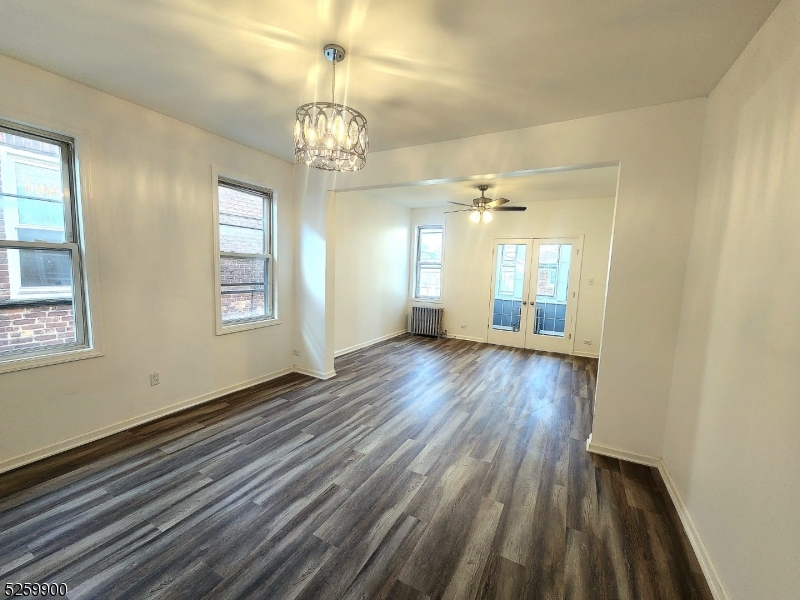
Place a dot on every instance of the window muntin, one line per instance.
(428, 272)
(42, 309)
(245, 253)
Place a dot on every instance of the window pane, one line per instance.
(510, 273)
(31, 185)
(49, 213)
(40, 235)
(241, 221)
(430, 282)
(430, 245)
(552, 289)
(241, 239)
(548, 254)
(45, 268)
(42, 314)
(243, 288)
(546, 282)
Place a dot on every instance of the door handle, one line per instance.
(524, 302)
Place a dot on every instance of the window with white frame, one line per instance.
(42, 308)
(428, 272)
(245, 261)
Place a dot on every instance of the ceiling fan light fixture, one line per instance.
(482, 208)
(331, 136)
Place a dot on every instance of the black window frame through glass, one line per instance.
(420, 264)
(73, 243)
(268, 254)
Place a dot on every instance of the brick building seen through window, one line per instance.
(36, 296)
(245, 261)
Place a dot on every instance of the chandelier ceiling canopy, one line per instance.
(330, 136)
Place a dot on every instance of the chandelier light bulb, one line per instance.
(487, 217)
(475, 216)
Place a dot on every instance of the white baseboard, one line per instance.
(710, 572)
(312, 373)
(700, 550)
(483, 341)
(467, 338)
(642, 459)
(92, 436)
(383, 338)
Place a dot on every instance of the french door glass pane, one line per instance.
(43, 315)
(552, 289)
(509, 284)
(243, 288)
(242, 221)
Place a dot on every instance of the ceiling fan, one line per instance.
(483, 207)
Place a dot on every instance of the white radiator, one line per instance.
(427, 321)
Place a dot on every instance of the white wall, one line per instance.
(314, 273)
(151, 245)
(467, 268)
(732, 443)
(658, 149)
(372, 262)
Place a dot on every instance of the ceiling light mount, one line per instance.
(331, 136)
(333, 53)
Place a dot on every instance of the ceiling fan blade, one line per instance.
(455, 211)
(460, 203)
(510, 208)
(497, 202)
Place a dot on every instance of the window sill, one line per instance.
(20, 363)
(61, 292)
(18, 302)
(427, 300)
(224, 329)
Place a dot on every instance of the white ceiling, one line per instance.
(420, 70)
(553, 185)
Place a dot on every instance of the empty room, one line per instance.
(400, 300)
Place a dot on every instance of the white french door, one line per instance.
(534, 293)
(510, 283)
(553, 296)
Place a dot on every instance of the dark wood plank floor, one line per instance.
(425, 469)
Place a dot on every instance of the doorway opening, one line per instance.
(558, 246)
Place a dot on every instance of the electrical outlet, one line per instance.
(154, 378)
(463, 326)
(296, 352)
(587, 342)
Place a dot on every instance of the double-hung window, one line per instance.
(428, 272)
(245, 262)
(42, 306)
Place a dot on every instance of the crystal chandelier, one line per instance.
(330, 136)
